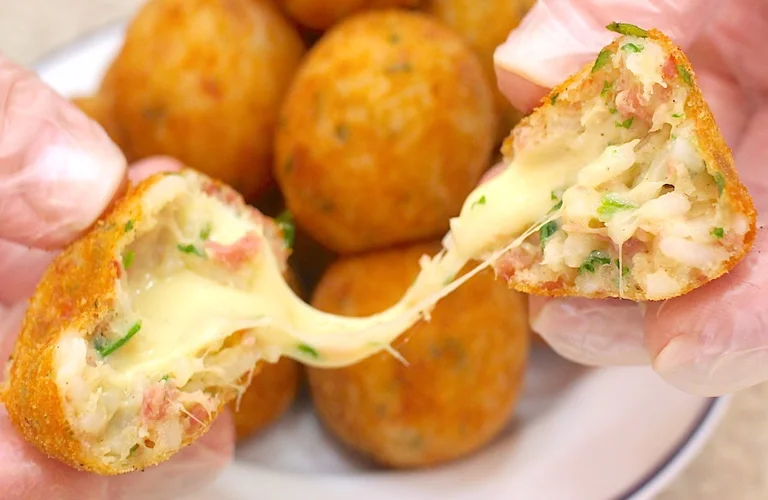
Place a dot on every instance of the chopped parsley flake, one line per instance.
(547, 231)
(557, 206)
(128, 226)
(165, 378)
(631, 47)
(105, 348)
(720, 181)
(627, 29)
(342, 132)
(624, 269)
(553, 196)
(133, 449)
(479, 201)
(606, 87)
(684, 74)
(595, 258)
(401, 67)
(717, 232)
(602, 59)
(677, 115)
(205, 232)
(612, 204)
(190, 249)
(626, 123)
(128, 257)
(287, 227)
(309, 350)
(553, 99)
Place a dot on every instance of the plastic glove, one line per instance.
(58, 172)
(713, 340)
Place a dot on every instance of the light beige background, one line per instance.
(733, 465)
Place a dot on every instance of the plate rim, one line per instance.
(652, 483)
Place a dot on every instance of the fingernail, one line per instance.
(593, 332)
(708, 371)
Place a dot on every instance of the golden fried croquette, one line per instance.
(387, 127)
(269, 395)
(202, 81)
(132, 342)
(619, 185)
(485, 25)
(463, 373)
(322, 14)
(272, 389)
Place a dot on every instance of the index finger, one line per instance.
(58, 168)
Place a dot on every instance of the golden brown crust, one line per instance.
(76, 294)
(714, 150)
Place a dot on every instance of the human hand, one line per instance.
(713, 340)
(58, 172)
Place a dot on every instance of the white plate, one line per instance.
(578, 434)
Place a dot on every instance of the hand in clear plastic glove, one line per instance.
(715, 339)
(58, 172)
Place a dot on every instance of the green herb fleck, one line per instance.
(553, 196)
(557, 206)
(401, 67)
(626, 123)
(624, 269)
(613, 111)
(128, 257)
(720, 181)
(631, 47)
(677, 115)
(342, 132)
(128, 226)
(554, 97)
(612, 204)
(309, 350)
(287, 227)
(595, 258)
(480, 201)
(191, 249)
(717, 232)
(205, 232)
(606, 87)
(547, 231)
(105, 349)
(684, 74)
(133, 449)
(165, 378)
(627, 29)
(602, 59)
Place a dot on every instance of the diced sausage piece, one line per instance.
(157, 399)
(235, 254)
(510, 262)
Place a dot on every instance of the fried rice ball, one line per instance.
(387, 127)
(321, 15)
(464, 371)
(485, 25)
(203, 80)
(272, 390)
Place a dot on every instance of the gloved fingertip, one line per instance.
(147, 167)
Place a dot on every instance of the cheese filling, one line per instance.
(604, 188)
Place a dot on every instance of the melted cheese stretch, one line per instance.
(507, 208)
(182, 312)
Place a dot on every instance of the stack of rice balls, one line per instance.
(365, 123)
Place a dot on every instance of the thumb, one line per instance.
(58, 168)
(558, 37)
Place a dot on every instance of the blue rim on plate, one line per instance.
(653, 481)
